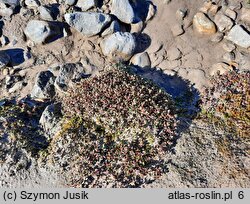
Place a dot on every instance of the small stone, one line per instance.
(217, 37)
(50, 120)
(177, 30)
(231, 14)
(137, 27)
(229, 56)
(181, 14)
(44, 86)
(228, 46)
(4, 40)
(119, 46)
(5, 72)
(6, 11)
(151, 12)
(88, 23)
(223, 22)
(86, 4)
(206, 6)
(4, 59)
(141, 59)
(220, 68)
(239, 36)
(123, 11)
(17, 86)
(214, 9)
(203, 25)
(173, 54)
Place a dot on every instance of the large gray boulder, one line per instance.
(88, 23)
(41, 31)
(44, 86)
(123, 11)
(119, 46)
(239, 36)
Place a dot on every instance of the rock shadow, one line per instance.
(16, 56)
(143, 41)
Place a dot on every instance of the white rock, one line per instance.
(86, 4)
(141, 59)
(123, 11)
(119, 46)
(88, 23)
(239, 36)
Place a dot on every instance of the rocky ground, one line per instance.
(48, 46)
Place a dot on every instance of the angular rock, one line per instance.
(174, 54)
(86, 4)
(141, 59)
(151, 12)
(44, 86)
(40, 31)
(137, 27)
(119, 46)
(45, 13)
(6, 10)
(223, 22)
(123, 11)
(239, 36)
(88, 23)
(4, 59)
(50, 120)
(203, 25)
(69, 73)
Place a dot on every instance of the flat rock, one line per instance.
(44, 86)
(86, 4)
(223, 22)
(239, 36)
(119, 46)
(88, 23)
(141, 59)
(4, 59)
(203, 25)
(123, 11)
